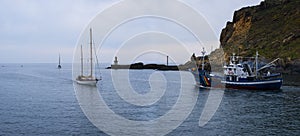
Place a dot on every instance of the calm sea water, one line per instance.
(38, 99)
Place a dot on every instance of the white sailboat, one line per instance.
(87, 79)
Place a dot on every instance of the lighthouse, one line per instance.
(116, 60)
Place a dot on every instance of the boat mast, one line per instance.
(91, 52)
(203, 56)
(59, 59)
(81, 61)
(256, 63)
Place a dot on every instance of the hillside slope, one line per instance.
(271, 28)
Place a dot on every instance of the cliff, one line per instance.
(271, 28)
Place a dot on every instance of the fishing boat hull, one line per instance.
(203, 87)
(202, 78)
(254, 85)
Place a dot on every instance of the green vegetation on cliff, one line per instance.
(272, 28)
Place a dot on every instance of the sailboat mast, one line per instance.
(91, 51)
(59, 59)
(81, 61)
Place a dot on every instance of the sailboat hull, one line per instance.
(87, 82)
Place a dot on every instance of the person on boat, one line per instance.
(230, 72)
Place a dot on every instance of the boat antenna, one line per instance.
(256, 63)
(203, 56)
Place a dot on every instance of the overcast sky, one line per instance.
(35, 31)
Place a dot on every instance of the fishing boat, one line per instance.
(59, 65)
(239, 75)
(202, 75)
(87, 79)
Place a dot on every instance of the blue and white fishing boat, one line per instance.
(240, 75)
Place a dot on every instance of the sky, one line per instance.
(36, 31)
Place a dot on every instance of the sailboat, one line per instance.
(59, 66)
(87, 79)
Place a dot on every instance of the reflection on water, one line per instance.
(100, 114)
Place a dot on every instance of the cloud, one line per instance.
(43, 28)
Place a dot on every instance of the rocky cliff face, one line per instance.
(271, 28)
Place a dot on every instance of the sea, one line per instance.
(39, 99)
